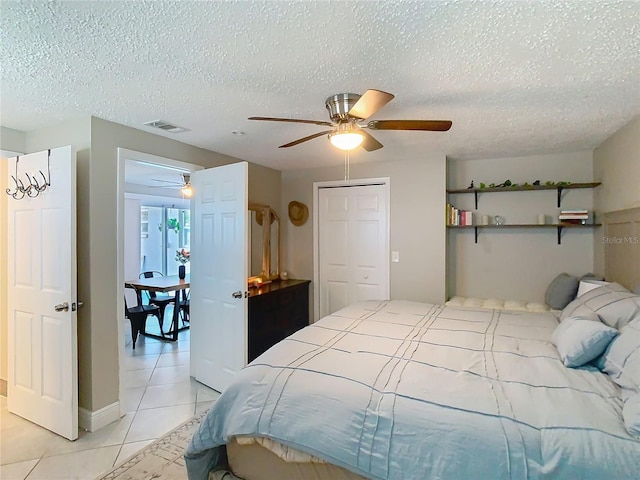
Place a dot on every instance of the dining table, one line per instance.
(166, 284)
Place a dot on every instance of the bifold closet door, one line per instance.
(353, 246)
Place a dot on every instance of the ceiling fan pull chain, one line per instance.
(346, 165)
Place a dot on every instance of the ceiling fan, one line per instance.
(349, 111)
(185, 185)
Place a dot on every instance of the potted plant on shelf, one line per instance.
(183, 256)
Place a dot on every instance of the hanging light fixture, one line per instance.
(346, 137)
(186, 188)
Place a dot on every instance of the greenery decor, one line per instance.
(172, 224)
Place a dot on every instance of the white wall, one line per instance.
(616, 163)
(518, 263)
(416, 222)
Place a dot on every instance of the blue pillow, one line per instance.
(631, 414)
(621, 359)
(582, 338)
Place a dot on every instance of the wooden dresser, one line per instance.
(276, 310)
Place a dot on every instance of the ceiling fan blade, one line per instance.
(425, 125)
(369, 103)
(166, 181)
(292, 120)
(369, 143)
(310, 137)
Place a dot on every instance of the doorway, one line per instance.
(351, 245)
(136, 174)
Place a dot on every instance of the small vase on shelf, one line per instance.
(182, 271)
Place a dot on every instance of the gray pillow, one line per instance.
(561, 291)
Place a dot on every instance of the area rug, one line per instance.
(161, 460)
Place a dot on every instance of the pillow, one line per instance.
(631, 415)
(621, 360)
(561, 291)
(588, 285)
(580, 339)
(613, 303)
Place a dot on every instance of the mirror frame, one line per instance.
(267, 274)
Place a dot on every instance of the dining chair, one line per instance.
(159, 299)
(138, 317)
(185, 307)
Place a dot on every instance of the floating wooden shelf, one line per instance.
(558, 226)
(521, 188)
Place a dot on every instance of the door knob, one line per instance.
(62, 307)
(237, 294)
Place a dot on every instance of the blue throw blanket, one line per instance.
(403, 390)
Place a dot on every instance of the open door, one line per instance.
(219, 246)
(42, 293)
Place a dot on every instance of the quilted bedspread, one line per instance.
(403, 390)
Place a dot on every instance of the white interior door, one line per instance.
(42, 341)
(353, 247)
(219, 246)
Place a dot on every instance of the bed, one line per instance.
(404, 390)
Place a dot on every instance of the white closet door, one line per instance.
(353, 247)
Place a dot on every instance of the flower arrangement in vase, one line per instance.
(183, 256)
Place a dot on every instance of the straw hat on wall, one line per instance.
(298, 213)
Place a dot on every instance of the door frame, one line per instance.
(124, 154)
(362, 182)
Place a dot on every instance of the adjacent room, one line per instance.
(307, 239)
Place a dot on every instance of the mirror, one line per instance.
(264, 243)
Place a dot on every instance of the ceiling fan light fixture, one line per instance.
(346, 140)
(187, 191)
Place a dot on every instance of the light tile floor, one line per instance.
(157, 393)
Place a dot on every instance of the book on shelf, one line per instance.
(576, 211)
(573, 217)
(457, 217)
(573, 221)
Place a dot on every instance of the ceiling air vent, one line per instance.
(166, 126)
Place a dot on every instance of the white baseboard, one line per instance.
(92, 421)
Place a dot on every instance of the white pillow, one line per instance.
(587, 285)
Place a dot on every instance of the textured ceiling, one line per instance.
(515, 78)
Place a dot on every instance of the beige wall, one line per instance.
(12, 140)
(416, 225)
(518, 264)
(616, 163)
(106, 137)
